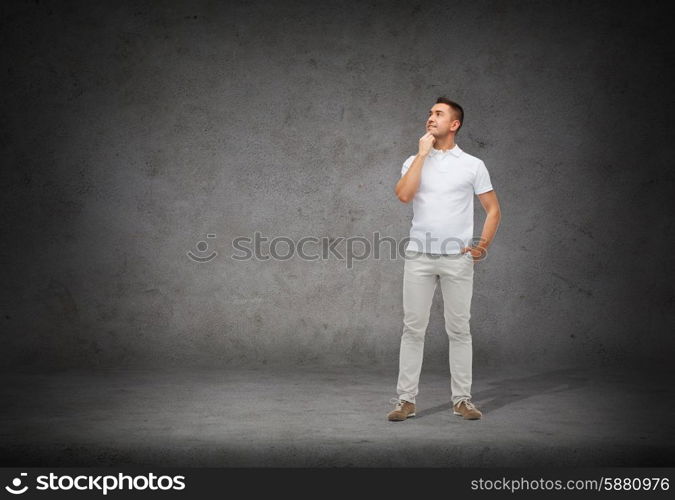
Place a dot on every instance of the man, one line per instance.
(441, 180)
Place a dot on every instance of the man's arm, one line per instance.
(407, 186)
(494, 216)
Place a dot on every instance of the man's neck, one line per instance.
(445, 143)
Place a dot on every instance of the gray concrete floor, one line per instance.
(331, 416)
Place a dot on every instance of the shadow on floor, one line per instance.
(511, 390)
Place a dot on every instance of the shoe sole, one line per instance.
(401, 419)
(472, 418)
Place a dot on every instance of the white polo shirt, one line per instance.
(443, 205)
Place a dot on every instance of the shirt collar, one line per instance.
(456, 151)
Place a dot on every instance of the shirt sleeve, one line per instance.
(482, 183)
(406, 165)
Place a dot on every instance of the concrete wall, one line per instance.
(131, 131)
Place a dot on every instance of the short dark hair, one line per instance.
(459, 112)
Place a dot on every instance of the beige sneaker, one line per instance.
(404, 409)
(466, 409)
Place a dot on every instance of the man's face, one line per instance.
(441, 120)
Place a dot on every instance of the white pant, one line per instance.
(421, 273)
